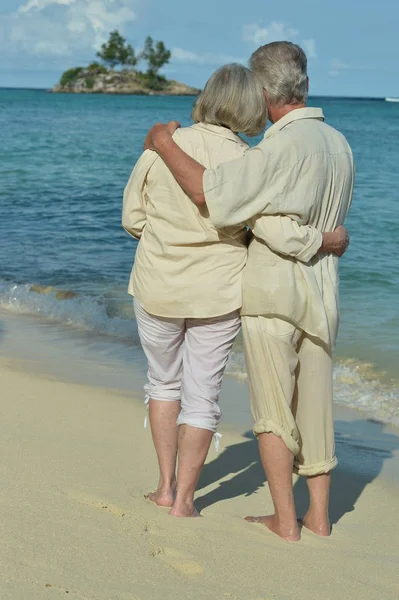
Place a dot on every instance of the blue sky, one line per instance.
(352, 44)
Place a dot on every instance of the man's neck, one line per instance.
(278, 112)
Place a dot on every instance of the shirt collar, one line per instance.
(295, 115)
(220, 131)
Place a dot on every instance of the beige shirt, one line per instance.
(184, 266)
(302, 168)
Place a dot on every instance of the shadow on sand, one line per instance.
(362, 448)
(240, 459)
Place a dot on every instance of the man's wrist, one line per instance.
(162, 141)
(328, 239)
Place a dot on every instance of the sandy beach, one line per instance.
(76, 462)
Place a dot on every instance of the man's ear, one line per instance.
(266, 99)
(307, 84)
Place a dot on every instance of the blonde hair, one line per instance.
(282, 69)
(233, 97)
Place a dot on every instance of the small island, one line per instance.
(117, 73)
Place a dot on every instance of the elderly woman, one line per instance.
(186, 281)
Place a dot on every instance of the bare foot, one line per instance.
(290, 534)
(318, 526)
(162, 497)
(184, 511)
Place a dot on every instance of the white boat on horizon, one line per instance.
(391, 99)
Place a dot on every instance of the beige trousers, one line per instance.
(290, 383)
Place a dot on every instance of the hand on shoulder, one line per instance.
(160, 134)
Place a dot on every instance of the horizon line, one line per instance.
(44, 89)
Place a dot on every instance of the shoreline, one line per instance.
(76, 462)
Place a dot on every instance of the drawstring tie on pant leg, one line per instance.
(216, 440)
(147, 407)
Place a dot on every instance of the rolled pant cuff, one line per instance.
(198, 423)
(163, 396)
(318, 469)
(268, 426)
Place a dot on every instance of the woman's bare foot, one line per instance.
(163, 496)
(319, 526)
(290, 533)
(184, 510)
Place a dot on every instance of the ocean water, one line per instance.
(64, 257)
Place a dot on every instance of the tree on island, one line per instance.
(156, 57)
(117, 52)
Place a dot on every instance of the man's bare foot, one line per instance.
(162, 497)
(319, 526)
(184, 510)
(290, 534)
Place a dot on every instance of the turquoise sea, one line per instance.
(65, 160)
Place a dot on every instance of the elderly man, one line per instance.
(302, 168)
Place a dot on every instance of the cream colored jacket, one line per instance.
(302, 168)
(184, 266)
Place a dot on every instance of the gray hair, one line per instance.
(282, 69)
(233, 97)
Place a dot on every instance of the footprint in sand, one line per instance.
(149, 528)
(62, 590)
(178, 561)
(74, 595)
(93, 502)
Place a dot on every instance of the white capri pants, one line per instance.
(186, 361)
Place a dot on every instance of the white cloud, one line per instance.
(337, 66)
(257, 35)
(309, 46)
(51, 48)
(55, 30)
(40, 4)
(186, 56)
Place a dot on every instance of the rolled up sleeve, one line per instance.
(286, 236)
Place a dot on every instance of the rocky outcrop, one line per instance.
(90, 81)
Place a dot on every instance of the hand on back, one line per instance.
(342, 240)
(336, 242)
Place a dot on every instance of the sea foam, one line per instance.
(68, 308)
